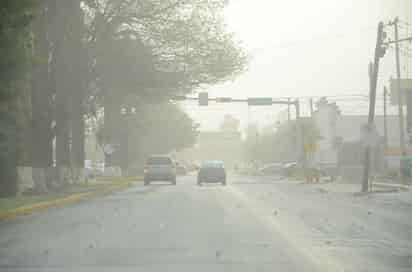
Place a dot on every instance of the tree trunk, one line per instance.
(8, 150)
(79, 68)
(41, 98)
(109, 130)
(62, 80)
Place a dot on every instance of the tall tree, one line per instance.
(15, 17)
(62, 73)
(145, 133)
(79, 84)
(41, 89)
(154, 49)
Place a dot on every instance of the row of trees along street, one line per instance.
(280, 142)
(66, 62)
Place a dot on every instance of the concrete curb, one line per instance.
(391, 186)
(28, 209)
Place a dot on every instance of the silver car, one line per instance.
(159, 168)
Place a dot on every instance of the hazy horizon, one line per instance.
(306, 52)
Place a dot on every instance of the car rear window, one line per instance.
(213, 164)
(159, 160)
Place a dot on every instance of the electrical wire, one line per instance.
(405, 23)
(303, 42)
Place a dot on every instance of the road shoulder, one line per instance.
(25, 205)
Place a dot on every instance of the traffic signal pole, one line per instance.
(400, 99)
(301, 142)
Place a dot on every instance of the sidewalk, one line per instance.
(377, 187)
(26, 204)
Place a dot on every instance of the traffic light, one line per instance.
(382, 37)
(203, 99)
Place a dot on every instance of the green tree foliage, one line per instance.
(145, 133)
(187, 38)
(280, 145)
(14, 42)
(101, 53)
(170, 128)
(191, 35)
(149, 50)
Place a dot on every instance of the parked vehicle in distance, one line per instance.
(93, 169)
(289, 169)
(159, 168)
(271, 169)
(212, 171)
(294, 168)
(192, 167)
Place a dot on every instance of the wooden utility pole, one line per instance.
(311, 106)
(374, 69)
(400, 98)
(301, 137)
(288, 111)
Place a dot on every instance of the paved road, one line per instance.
(342, 230)
(253, 224)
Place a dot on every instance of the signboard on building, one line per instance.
(406, 87)
(259, 101)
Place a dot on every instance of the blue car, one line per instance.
(212, 172)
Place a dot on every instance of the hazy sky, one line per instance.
(304, 48)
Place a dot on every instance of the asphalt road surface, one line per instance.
(253, 224)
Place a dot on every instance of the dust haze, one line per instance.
(205, 135)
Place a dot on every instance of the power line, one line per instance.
(327, 37)
(406, 52)
(404, 22)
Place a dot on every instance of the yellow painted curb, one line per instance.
(28, 209)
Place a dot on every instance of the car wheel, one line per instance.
(146, 182)
(199, 182)
(174, 180)
(224, 182)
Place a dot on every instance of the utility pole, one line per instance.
(374, 69)
(311, 106)
(400, 97)
(385, 125)
(288, 111)
(300, 131)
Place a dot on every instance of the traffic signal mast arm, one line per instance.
(400, 40)
(203, 98)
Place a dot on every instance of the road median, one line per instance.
(24, 205)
